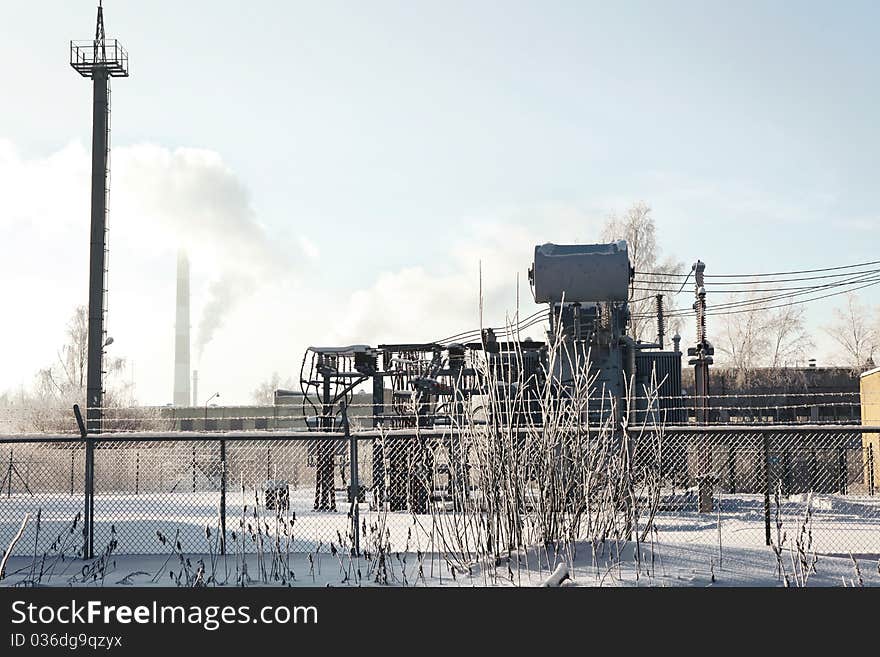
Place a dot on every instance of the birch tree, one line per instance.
(754, 336)
(638, 228)
(854, 332)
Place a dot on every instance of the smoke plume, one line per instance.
(223, 295)
(194, 200)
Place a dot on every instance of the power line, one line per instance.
(857, 278)
(778, 273)
(531, 320)
(861, 277)
(800, 271)
(794, 303)
(765, 282)
(736, 308)
(650, 296)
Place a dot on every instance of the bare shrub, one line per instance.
(535, 463)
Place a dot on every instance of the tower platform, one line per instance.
(108, 55)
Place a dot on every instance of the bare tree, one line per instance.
(64, 382)
(788, 336)
(264, 394)
(854, 333)
(57, 387)
(742, 341)
(638, 228)
(758, 337)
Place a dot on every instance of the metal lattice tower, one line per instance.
(99, 59)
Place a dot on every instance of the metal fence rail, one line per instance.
(238, 490)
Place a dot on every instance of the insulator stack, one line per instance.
(661, 321)
(701, 317)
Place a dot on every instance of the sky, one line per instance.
(341, 172)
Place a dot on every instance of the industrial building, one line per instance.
(780, 395)
(869, 386)
(286, 413)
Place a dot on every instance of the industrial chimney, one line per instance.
(181, 333)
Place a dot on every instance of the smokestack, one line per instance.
(195, 388)
(181, 333)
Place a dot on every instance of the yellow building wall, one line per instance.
(869, 386)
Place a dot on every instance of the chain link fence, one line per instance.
(401, 489)
(761, 480)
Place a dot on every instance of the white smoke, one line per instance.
(197, 201)
(224, 295)
(161, 200)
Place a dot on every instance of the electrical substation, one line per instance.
(401, 425)
(585, 290)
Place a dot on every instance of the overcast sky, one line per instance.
(337, 170)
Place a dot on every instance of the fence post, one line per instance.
(870, 469)
(89, 501)
(841, 468)
(88, 488)
(222, 496)
(354, 493)
(766, 445)
(379, 491)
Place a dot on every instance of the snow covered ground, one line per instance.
(661, 564)
(688, 548)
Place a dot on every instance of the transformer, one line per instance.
(581, 272)
(587, 289)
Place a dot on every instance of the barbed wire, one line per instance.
(180, 413)
(687, 403)
(391, 431)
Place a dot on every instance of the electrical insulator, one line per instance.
(661, 328)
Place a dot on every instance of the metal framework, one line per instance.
(430, 385)
(99, 58)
